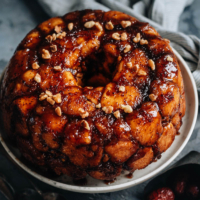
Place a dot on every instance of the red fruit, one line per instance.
(161, 194)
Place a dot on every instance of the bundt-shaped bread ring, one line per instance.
(94, 93)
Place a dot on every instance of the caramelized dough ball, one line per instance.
(145, 123)
(94, 94)
(121, 151)
(30, 152)
(49, 25)
(69, 169)
(125, 146)
(111, 52)
(69, 79)
(167, 97)
(26, 104)
(106, 171)
(167, 137)
(138, 61)
(89, 46)
(150, 31)
(82, 157)
(158, 45)
(74, 101)
(22, 107)
(46, 128)
(169, 71)
(20, 61)
(104, 126)
(182, 105)
(75, 146)
(116, 17)
(141, 159)
(177, 121)
(31, 40)
(115, 98)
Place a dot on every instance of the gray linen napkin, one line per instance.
(161, 14)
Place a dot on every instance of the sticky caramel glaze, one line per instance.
(92, 98)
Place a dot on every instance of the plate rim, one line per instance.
(95, 189)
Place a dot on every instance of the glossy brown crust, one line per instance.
(134, 100)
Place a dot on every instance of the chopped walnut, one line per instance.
(57, 68)
(49, 38)
(151, 64)
(142, 73)
(37, 78)
(58, 111)
(137, 67)
(64, 34)
(70, 26)
(129, 64)
(122, 89)
(137, 38)
(43, 96)
(123, 36)
(125, 23)
(53, 48)
(35, 66)
(49, 93)
(54, 36)
(119, 58)
(142, 42)
(127, 108)
(85, 124)
(169, 58)
(107, 109)
(57, 98)
(61, 35)
(153, 97)
(57, 29)
(90, 88)
(117, 114)
(81, 110)
(127, 48)
(45, 54)
(98, 105)
(109, 26)
(116, 36)
(98, 25)
(50, 100)
(89, 24)
(83, 113)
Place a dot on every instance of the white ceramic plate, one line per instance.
(97, 186)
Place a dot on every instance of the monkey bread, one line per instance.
(93, 93)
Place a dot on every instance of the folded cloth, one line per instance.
(163, 15)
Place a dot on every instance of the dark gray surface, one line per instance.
(17, 18)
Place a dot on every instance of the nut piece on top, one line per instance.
(125, 23)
